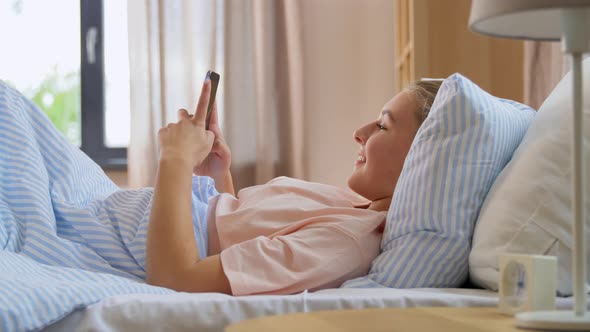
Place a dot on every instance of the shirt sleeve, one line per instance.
(203, 188)
(313, 256)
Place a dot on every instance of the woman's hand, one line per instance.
(218, 161)
(187, 141)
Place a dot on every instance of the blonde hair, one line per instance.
(424, 91)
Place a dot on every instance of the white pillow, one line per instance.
(528, 207)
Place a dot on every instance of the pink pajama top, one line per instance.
(289, 235)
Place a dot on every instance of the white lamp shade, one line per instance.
(521, 19)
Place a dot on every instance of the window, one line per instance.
(70, 57)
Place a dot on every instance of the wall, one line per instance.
(349, 75)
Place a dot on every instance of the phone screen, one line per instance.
(214, 77)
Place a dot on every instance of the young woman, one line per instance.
(284, 236)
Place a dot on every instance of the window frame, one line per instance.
(92, 77)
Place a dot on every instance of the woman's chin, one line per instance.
(354, 183)
(349, 181)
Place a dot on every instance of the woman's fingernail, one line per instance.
(208, 76)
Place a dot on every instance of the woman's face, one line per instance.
(384, 145)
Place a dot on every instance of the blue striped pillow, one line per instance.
(467, 139)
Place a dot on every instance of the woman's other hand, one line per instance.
(218, 161)
(187, 141)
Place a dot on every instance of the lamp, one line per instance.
(552, 20)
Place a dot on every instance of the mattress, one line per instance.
(213, 311)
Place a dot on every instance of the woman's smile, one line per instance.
(361, 159)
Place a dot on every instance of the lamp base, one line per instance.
(560, 320)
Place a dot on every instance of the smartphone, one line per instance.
(214, 77)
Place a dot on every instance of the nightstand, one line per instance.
(388, 319)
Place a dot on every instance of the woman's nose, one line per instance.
(361, 134)
(357, 137)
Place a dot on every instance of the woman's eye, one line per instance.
(380, 126)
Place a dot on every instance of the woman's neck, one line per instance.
(380, 204)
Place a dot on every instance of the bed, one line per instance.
(213, 312)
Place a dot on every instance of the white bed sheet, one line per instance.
(213, 312)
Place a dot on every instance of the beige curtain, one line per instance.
(172, 43)
(544, 66)
(263, 113)
(256, 47)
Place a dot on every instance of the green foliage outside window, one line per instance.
(58, 95)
